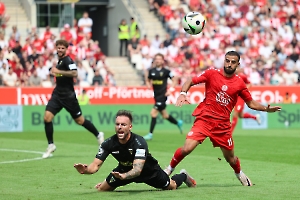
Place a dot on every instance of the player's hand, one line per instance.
(54, 70)
(118, 175)
(182, 100)
(273, 108)
(81, 168)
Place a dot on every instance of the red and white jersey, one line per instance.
(221, 94)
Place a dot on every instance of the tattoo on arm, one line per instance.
(136, 170)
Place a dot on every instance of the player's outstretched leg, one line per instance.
(180, 154)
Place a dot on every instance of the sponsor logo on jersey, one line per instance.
(127, 164)
(157, 82)
(223, 98)
(140, 153)
(152, 74)
(115, 152)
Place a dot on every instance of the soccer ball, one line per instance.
(193, 23)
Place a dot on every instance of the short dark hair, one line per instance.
(233, 53)
(62, 42)
(160, 54)
(125, 113)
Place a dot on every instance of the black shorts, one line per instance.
(160, 106)
(55, 105)
(159, 180)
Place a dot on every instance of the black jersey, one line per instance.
(65, 85)
(125, 154)
(159, 79)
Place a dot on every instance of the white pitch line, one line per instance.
(22, 151)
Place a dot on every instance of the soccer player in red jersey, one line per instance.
(212, 116)
(239, 106)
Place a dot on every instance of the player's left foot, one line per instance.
(149, 136)
(189, 181)
(258, 118)
(51, 148)
(100, 138)
(245, 181)
(98, 186)
(179, 124)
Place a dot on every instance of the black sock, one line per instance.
(49, 131)
(179, 178)
(153, 122)
(172, 119)
(90, 127)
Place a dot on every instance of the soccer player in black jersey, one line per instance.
(63, 96)
(136, 164)
(158, 77)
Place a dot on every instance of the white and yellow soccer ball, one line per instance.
(193, 23)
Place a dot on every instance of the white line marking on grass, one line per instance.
(23, 160)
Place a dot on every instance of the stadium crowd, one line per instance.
(28, 64)
(266, 35)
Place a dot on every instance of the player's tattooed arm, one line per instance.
(136, 170)
(138, 166)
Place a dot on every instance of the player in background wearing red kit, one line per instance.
(212, 116)
(239, 106)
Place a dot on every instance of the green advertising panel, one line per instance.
(103, 116)
(288, 117)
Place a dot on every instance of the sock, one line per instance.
(179, 178)
(248, 115)
(49, 132)
(172, 120)
(176, 158)
(234, 123)
(90, 127)
(236, 167)
(152, 125)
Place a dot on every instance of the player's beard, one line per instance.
(62, 54)
(229, 71)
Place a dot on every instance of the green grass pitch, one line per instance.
(271, 159)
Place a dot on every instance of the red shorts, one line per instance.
(220, 134)
(239, 106)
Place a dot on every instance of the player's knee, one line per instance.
(172, 186)
(165, 116)
(47, 118)
(79, 120)
(186, 150)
